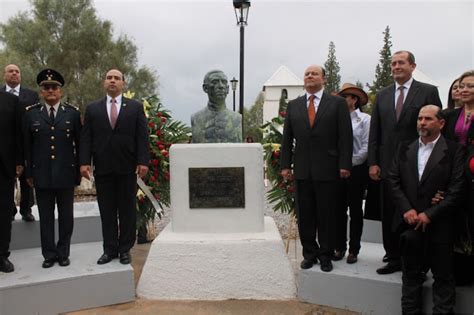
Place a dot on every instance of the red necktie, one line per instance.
(311, 111)
(113, 113)
(399, 105)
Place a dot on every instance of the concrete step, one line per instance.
(87, 227)
(31, 289)
(358, 287)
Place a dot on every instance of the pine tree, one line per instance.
(383, 72)
(333, 79)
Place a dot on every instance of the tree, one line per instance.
(333, 79)
(253, 119)
(383, 72)
(68, 36)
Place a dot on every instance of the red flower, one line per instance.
(154, 162)
(163, 119)
(158, 142)
(164, 153)
(282, 114)
(151, 124)
(161, 147)
(158, 132)
(157, 197)
(276, 153)
(153, 179)
(159, 114)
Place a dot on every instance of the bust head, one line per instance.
(216, 86)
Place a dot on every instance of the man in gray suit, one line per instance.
(394, 120)
(321, 125)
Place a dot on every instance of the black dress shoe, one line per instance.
(48, 263)
(28, 217)
(351, 258)
(338, 255)
(6, 265)
(306, 264)
(125, 258)
(389, 268)
(385, 259)
(326, 265)
(105, 258)
(64, 261)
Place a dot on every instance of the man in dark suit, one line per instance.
(27, 97)
(115, 139)
(394, 120)
(51, 135)
(421, 169)
(321, 125)
(11, 161)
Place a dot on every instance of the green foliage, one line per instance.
(333, 79)
(281, 193)
(164, 131)
(383, 72)
(253, 119)
(68, 36)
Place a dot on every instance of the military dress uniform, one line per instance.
(51, 154)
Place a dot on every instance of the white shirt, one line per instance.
(16, 89)
(56, 107)
(407, 86)
(424, 153)
(118, 104)
(317, 99)
(360, 130)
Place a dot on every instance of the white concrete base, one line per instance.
(359, 288)
(31, 289)
(218, 266)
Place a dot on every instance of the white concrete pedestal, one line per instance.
(218, 266)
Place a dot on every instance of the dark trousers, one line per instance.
(47, 198)
(352, 195)
(27, 197)
(417, 249)
(6, 199)
(391, 237)
(116, 196)
(316, 204)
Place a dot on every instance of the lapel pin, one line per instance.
(124, 104)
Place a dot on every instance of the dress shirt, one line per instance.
(360, 130)
(424, 152)
(316, 101)
(118, 103)
(56, 107)
(407, 86)
(16, 89)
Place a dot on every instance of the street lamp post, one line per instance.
(241, 8)
(233, 84)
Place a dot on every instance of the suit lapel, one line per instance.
(302, 111)
(123, 108)
(103, 112)
(412, 157)
(409, 99)
(322, 107)
(438, 153)
(45, 114)
(59, 115)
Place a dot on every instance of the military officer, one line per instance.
(52, 132)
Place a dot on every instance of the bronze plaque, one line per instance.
(216, 187)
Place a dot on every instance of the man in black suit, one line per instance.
(27, 97)
(321, 125)
(115, 138)
(394, 120)
(51, 135)
(421, 169)
(11, 161)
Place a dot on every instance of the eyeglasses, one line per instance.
(49, 87)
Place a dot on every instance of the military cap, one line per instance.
(49, 76)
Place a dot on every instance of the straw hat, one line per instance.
(348, 88)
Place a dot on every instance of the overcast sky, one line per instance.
(182, 40)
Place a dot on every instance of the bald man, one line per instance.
(421, 169)
(26, 97)
(316, 151)
(115, 139)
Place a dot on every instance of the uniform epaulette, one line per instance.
(71, 106)
(27, 108)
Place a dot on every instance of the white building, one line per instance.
(285, 82)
